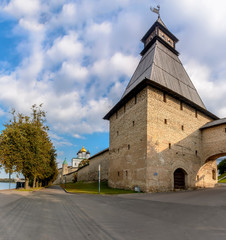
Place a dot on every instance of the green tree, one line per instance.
(26, 148)
(222, 166)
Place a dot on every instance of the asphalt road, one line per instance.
(54, 214)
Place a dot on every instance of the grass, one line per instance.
(223, 181)
(92, 188)
(28, 190)
(221, 176)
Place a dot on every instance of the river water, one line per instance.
(6, 185)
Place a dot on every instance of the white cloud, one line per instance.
(23, 8)
(31, 25)
(116, 65)
(74, 71)
(64, 48)
(211, 92)
(78, 56)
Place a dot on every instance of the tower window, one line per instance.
(117, 133)
(181, 106)
(133, 123)
(182, 127)
(128, 146)
(196, 113)
(196, 153)
(118, 150)
(118, 174)
(197, 177)
(169, 145)
(164, 97)
(126, 173)
(165, 121)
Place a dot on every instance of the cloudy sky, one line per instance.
(77, 56)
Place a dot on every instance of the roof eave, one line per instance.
(149, 82)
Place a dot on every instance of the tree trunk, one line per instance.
(26, 183)
(34, 181)
(37, 185)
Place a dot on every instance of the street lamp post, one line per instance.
(99, 179)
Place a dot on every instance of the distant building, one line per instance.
(69, 171)
(81, 154)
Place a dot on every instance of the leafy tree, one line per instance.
(222, 166)
(25, 147)
(83, 163)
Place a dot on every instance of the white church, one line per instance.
(81, 154)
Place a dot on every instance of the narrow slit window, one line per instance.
(196, 113)
(164, 97)
(118, 174)
(165, 121)
(169, 145)
(182, 127)
(196, 153)
(214, 174)
(117, 133)
(181, 105)
(133, 123)
(128, 146)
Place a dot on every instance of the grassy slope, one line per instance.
(92, 188)
(221, 176)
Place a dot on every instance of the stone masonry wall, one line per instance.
(173, 141)
(214, 146)
(83, 174)
(90, 172)
(128, 143)
(103, 160)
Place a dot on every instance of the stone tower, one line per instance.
(65, 167)
(155, 137)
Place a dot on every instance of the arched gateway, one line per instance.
(179, 179)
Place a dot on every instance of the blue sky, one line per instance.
(77, 56)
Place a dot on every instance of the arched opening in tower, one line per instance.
(180, 178)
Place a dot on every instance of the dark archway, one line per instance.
(179, 179)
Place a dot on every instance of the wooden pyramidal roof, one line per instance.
(161, 68)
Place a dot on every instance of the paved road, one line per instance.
(53, 214)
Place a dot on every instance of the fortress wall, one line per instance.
(90, 172)
(173, 141)
(214, 146)
(103, 160)
(214, 141)
(83, 174)
(128, 143)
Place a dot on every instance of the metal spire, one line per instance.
(156, 10)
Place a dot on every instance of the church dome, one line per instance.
(83, 149)
(65, 161)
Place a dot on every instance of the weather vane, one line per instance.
(156, 10)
